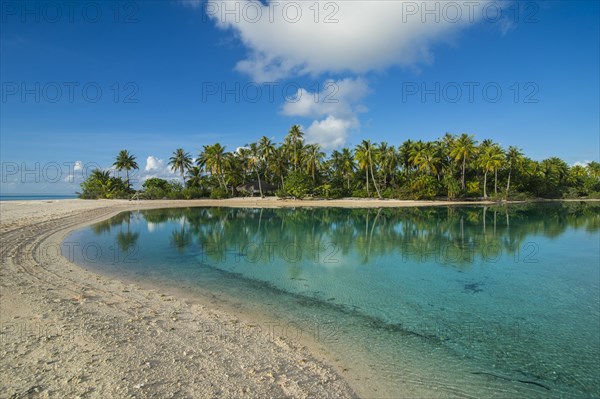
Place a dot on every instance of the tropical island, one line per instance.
(452, 167)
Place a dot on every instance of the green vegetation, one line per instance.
(451, 167)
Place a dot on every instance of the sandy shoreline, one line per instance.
(66, 331)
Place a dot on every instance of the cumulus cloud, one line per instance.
(154, 164)
(583, 164)
(74, 173)
(156, 167)
(334, 110)
(287, 38)
(340, 98)
(331, 132)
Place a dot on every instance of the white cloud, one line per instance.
(337, 106)
(154, 164)
(584, 163)
(338, 98)
(287, 38)
(331, 132)
(78, 166)
(156, 167)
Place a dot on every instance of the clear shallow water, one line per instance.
(461, 301)
(34, 197)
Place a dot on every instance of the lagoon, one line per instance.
(483, 301)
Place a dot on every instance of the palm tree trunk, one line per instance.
(348, 178)
(259, 184)
(375, 183)
(373, 175)
(295, 156)
(508, 183)
(222, 181)
(496, 181)
(485, 184)
(463, 172)
(367, 170)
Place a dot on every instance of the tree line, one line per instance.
(454, 166)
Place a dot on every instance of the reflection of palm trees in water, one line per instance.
(127, 240)
(413, 233)
(181, 239)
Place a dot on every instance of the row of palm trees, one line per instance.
(454, 163)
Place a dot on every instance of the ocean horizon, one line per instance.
(33, 197)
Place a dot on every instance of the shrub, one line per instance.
(425, 187)
(219, 193)
(193, 193)
(297, 184)
(281, 193)
(572, 193)
(594, 195)
(329, 192)
(154, 193)
(155, 183)
(452, 187)
(518, 196)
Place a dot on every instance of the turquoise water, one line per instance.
(33, 197)
(461, 301)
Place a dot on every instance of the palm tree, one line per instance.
(125, 161)
(514, 158)
(212, 159)
(554, 172)
(194, 175)
(388, 161)
(364, 156)
(499, 159)
(427, 159)
(100, 175)
(347, 165)
(490, 160)
(463, 150)
(266, 150)
(235, 167)
(181, 161)
(294, 139)
(255, 161)
(405, 158)
(313, 159)
(593, 168)
(279, 163)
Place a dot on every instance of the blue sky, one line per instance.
(80, 83)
